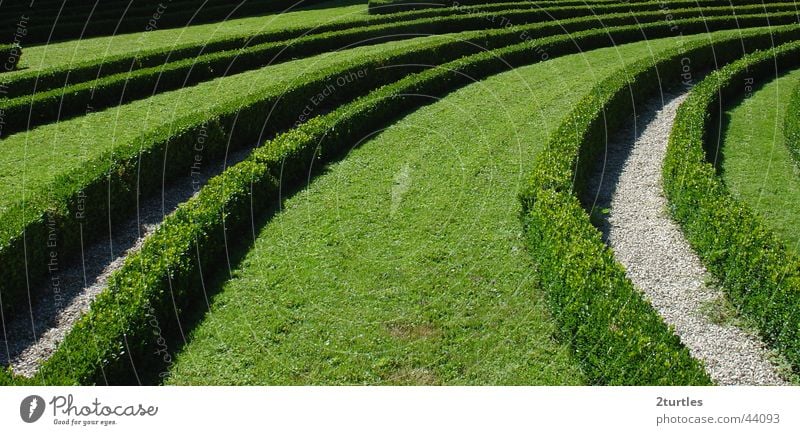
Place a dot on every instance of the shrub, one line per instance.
(9, 56)
(115, 340)
(792, 125)
(58, 103)
(611, 327)
(757, 272)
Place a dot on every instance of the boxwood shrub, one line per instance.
(9, 58)
(28, 111)
(116, 340)
(618, 337)
(792, 125)
(757, 272)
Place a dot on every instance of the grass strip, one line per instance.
(757, 272)
(115, 340)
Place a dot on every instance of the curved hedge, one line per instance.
(29, 111)
(163, 279)
(25, 83)
(138, 167)
(792, 125)
(610, 325)
(49, 25)
(757, 272)
(9, 58)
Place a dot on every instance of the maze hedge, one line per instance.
(792, 125)
(757, 272)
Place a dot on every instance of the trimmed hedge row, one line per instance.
(58, 77)
(616, 333)
(9, 57)
(23, 113)
(792, 125)
(116, 338)
(47, 28)
(57, 211)
(395, 6)
(758, 273)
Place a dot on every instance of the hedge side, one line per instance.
(9, 58)
(757, 272)
(616, 334)
(48, 27)
(29, 111)
(58, 77)
(116, 338)
(792, 125)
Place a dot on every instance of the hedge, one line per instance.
(164, 277)
(56, 210)
(9, 56)
(396, 6)
(58, 77)
(760, 276)
(29, 111)
(47, 27)
(792, 125)
(610, 325)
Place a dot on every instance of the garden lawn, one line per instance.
(403, 263)
(78, 51)
(31, 161)
(757, 166)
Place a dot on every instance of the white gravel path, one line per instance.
(658, 258)
(34, 336)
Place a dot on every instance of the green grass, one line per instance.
(757, 166)
(404, 262)
(78, 51)
(30, 161)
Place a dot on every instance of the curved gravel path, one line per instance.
(33, 336)
(658, 258)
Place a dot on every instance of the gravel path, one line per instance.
(658, 258)
(33, 337)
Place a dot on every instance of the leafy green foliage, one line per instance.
(760, 277)
(792, 125)
(616, 334)
(9, 57)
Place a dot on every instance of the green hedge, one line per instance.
(757, 272)
(30, 111)
(9, 57)
(138, 166)
(616, 334)
(116, 338)
(792, 125)
(25, 83)
(395, 6)
(47, 26)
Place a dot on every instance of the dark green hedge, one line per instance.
(58, 77)
(757, 272)
(71, 22)
(616, 334)
(792, 125)
(395, 6)
(30, 111)
(116, 339)
(9, 57)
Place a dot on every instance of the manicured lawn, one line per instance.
(403, 263)
(78, 51)
(757, 166)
